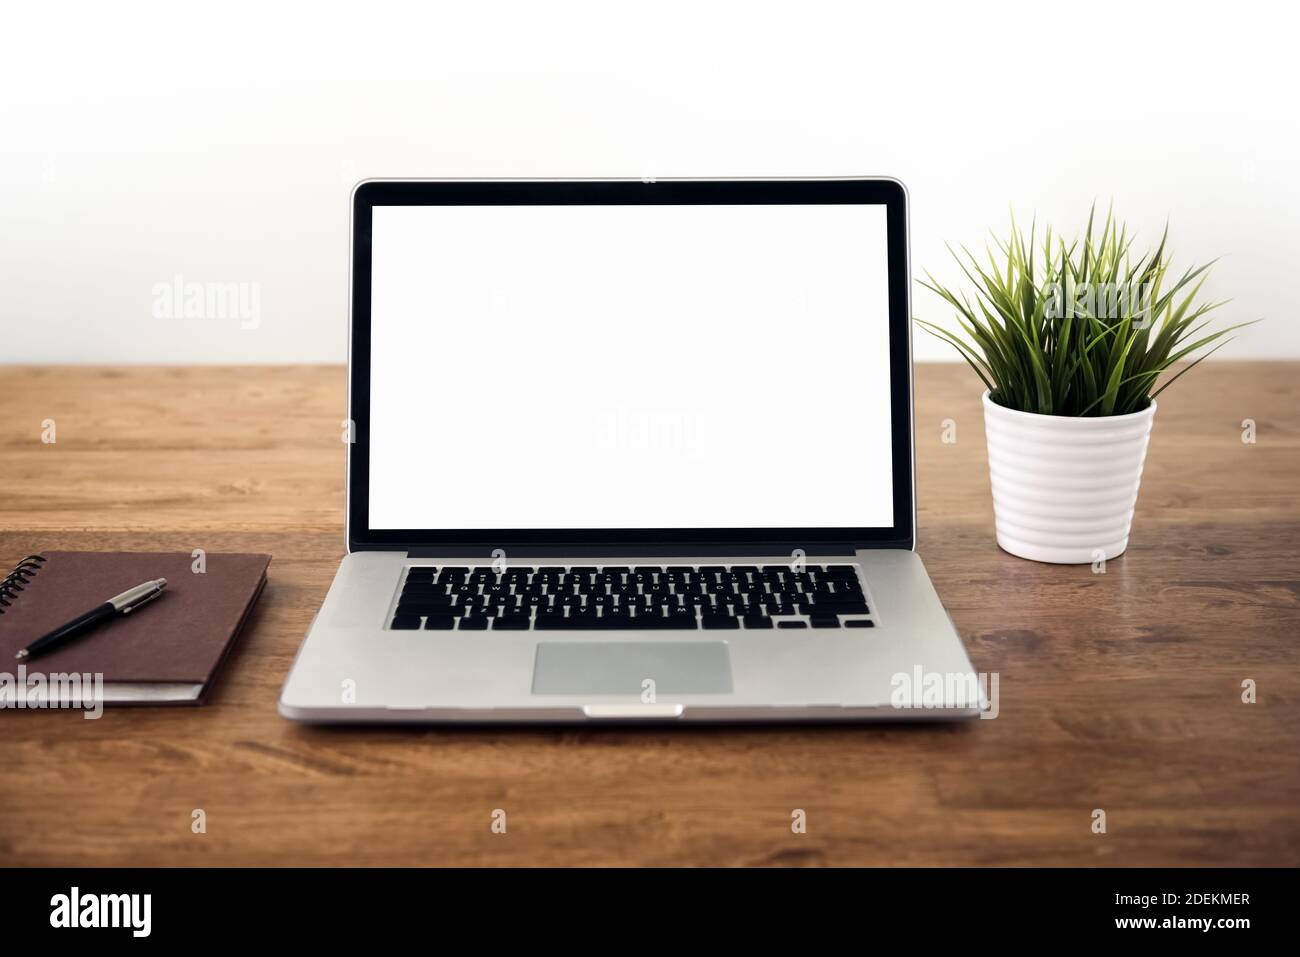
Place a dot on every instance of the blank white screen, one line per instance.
(629, 367)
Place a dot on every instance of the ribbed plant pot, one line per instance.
(1064, 487)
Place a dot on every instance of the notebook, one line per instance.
(167, 651)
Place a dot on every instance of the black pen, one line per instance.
(123, 604)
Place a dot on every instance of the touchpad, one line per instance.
(608, 667)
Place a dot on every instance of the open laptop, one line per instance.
(630, 451)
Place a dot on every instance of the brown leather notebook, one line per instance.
(166, 651)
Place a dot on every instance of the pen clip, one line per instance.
(144, 601)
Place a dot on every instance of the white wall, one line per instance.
(139, 142)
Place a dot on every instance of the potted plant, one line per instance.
(1073, 344)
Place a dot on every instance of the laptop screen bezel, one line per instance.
(873, 191)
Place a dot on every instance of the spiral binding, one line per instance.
(16, 579)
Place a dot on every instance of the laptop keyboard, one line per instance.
(642, 597)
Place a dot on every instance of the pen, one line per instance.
(123, 604)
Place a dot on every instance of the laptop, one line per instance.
(627, 451)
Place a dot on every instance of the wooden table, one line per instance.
(1119, 691)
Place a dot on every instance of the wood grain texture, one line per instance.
(1118, 691)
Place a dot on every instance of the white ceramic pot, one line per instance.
(1064, 487)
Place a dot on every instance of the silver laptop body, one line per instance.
(630, 451)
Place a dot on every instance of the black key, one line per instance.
(720, 621)
(418, 587)
(512, 623)
(792, 624)
(473, 623)
(444, 607)
(417, 606)
(578, 622)
(438, 623)
(615, 570)
(750, 569)
(838, 607)
(841, 571)
(824, 621)
(423, 595)
(860, 623)
(672, 623)
(757, 621)
(421, 574)
(405, 622)
(425, 589)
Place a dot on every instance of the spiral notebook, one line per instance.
(166, 653)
